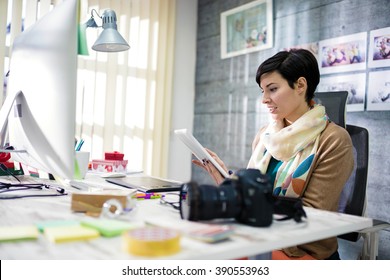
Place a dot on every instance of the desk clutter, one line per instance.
(136, 239)
(60, 231)
(8, 167)
(112, 162)
(144, 238)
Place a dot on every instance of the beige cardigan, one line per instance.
(332, 166)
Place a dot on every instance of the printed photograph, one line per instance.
(342, 54)
(379, 51)
(378, 98)
(355, 85)
(312, 47)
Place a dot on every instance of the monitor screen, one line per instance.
(41, 99)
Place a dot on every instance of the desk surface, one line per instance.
(248, 241)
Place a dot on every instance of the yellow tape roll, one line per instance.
(151, 242)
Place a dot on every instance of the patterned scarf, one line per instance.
(294, 145)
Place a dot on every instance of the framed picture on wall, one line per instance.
(342, 54)
(379, 51)
(378, 98)
(355, 84)
(247, 28)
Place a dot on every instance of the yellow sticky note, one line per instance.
(70, 233)
(18, 233)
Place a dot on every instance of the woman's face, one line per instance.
(282, 101)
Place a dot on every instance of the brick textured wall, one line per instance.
(227, 102)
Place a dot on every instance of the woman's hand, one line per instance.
(210, 168)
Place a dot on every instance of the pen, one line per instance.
(141, 196)
(79, 145)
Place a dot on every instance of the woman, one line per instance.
(303, 152)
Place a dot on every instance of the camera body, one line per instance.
(247, 197)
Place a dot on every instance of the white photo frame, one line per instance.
(378, 98)
(355, 84)
(379, 49)
(343, 54)
(247, 28)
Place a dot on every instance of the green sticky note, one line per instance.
(108, 227)
(18, 233)
(56, 223)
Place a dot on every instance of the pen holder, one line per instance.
(81, 164)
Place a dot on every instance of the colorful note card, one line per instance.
(205, 232)
(18, 233)
(108, 227)
(60, 234)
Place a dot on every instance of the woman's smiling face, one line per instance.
(282, 101)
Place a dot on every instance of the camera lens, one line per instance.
(208, 202)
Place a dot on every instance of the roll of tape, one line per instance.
(152, 241)
(106, 209)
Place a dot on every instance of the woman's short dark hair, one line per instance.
(292, 65)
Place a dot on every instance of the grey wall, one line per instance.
(227, 99)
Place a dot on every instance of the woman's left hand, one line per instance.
(210, 168)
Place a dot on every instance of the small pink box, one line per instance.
(101, 165)
(113, 156)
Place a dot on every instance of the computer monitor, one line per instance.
(41, 100)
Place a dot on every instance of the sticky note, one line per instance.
(108, 227)
(61, 234)
(18, 233)
(56, 223)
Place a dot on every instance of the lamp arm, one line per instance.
(91, 22)
(93, 10)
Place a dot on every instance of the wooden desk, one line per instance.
(250, 240)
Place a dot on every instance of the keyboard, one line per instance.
(146, 183)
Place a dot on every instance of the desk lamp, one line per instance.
(109, 40)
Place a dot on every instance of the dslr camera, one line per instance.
(246, 197)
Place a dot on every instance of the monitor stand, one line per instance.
(4, 113)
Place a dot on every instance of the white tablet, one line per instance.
(197, 149)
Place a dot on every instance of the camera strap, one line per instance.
(290, 208)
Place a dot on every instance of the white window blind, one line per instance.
(123, 99)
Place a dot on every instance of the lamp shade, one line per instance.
(110, 40)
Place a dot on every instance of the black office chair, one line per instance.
(353, 197)
(334, 102)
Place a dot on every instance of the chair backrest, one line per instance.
(353, 196)
(334, 102)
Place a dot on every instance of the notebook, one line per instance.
(146, 183)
